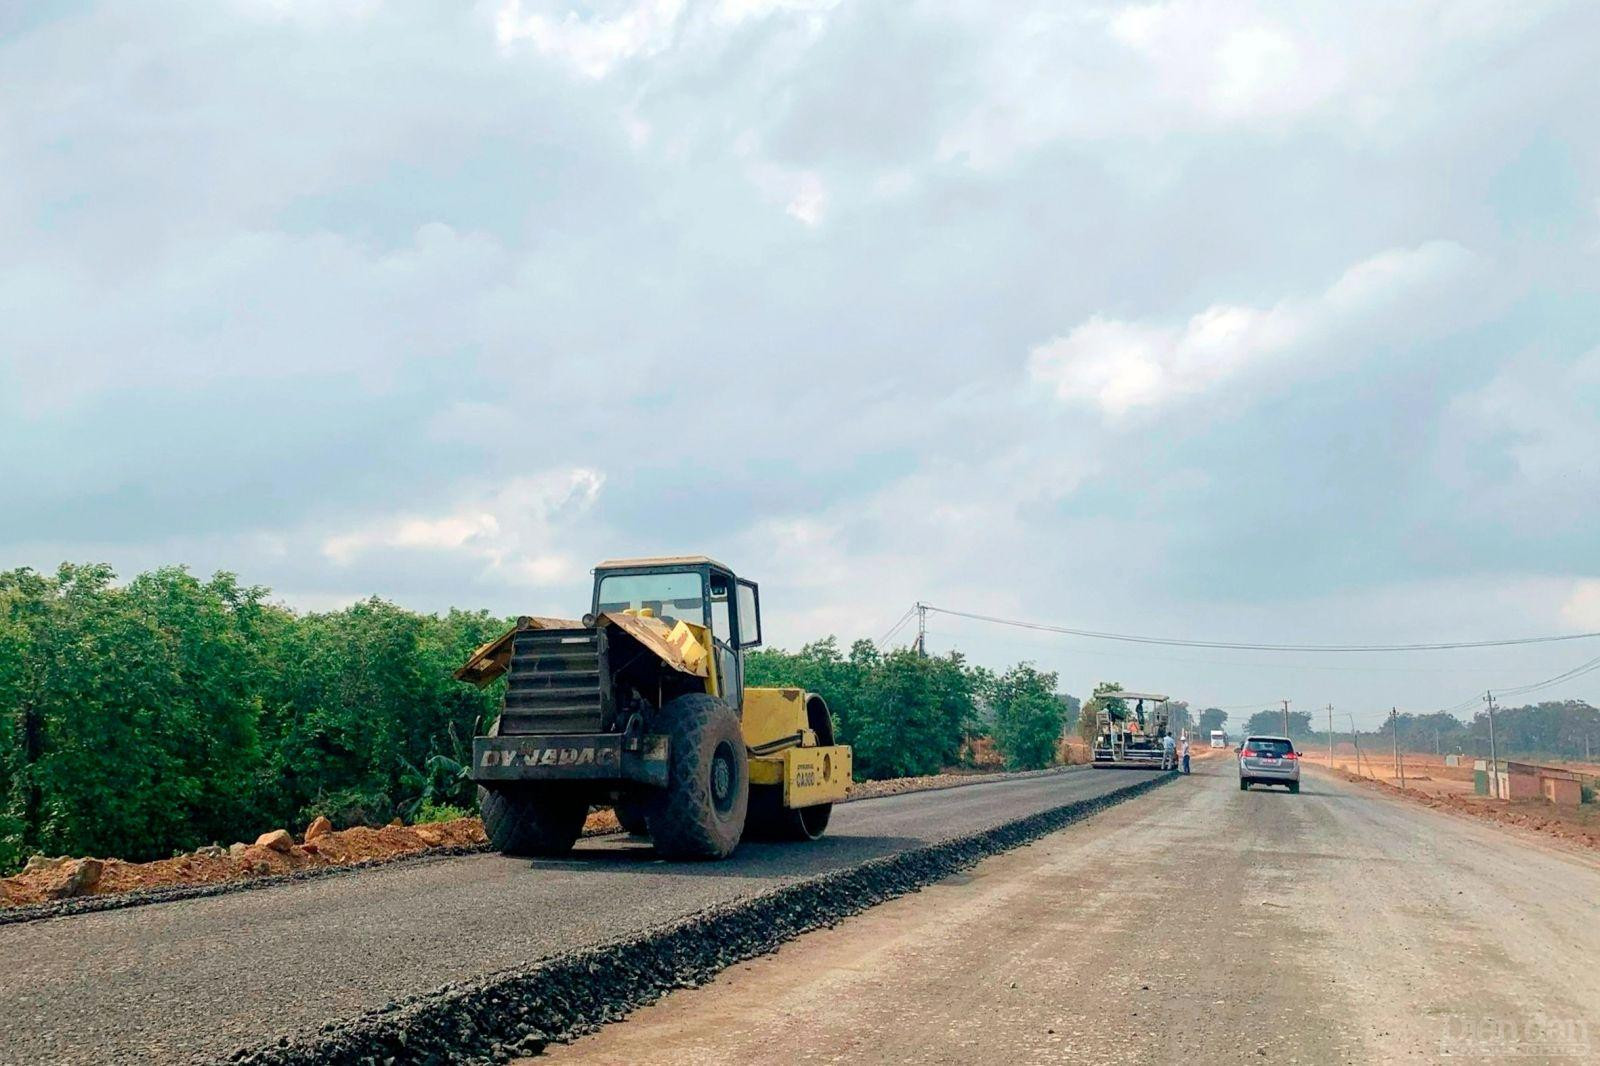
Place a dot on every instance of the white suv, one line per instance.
(1269, 761)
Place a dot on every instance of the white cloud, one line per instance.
(1232, 63)
(1543, 415)
(593, 45)
(810, 200)
(514, 530)
(469, 529)
(222, 310)
(1114, 74)
(311, 12)
(1124, 366)
(801, 192)
(737, 11)
(1582, 608)
(453, 243)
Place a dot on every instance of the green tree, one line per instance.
(13, 770)
(904, 713)
(1179, 718)
(359, 698)
(910, 713)
(1115, 707)
(212, 634)
(1212, 718)
(109, 713)
(1270, 723)
(172, 711)
(1028, 717)
(1071, 708)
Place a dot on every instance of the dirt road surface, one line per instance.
(201, 977)
(1199, 923)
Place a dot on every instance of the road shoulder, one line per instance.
(1198, 923)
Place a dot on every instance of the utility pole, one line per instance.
(1330, 736)
(1494, 758)
(1394, 729)
(1285, 717)
(1355, 738)
(922, 629)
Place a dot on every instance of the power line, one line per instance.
(1246, 646)
(1144, 657)
(1587, 667)
(1577, 671)
(896, 627)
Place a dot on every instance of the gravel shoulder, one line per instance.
(1344, 926)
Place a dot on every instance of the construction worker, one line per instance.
(1167, 746)
(1186, 753)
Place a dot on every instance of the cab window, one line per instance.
(749, 616)
(673, 597)
(721, 627)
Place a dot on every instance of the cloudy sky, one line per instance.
(1241, 321)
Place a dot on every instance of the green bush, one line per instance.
(348, 807)
(905, 714)
(442, 812)
(142, 718)
(1028, 718)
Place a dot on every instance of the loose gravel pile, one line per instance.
(520, 1012)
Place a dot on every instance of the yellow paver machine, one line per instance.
(642, 705)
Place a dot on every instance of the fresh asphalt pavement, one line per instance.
(198, 978)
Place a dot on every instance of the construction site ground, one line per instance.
(1196, 923)
(1426, 779)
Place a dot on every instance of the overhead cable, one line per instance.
(1249, 646)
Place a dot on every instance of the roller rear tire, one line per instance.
(536, 821)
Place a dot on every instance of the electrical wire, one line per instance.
(1580, 670)
(1246, 646)
(1143, 657)
(910, 611)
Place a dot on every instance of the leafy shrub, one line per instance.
(1028, 717)
(905, 714)
(350, 806)
(441, 812)
(227, 714)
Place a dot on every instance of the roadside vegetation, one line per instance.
(147, 718)
(908, 714)
(1557, 729)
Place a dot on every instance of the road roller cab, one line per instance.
(641, 704)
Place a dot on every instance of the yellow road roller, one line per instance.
(642, 705)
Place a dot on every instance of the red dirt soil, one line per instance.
(1578, 826)
(47, 880)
